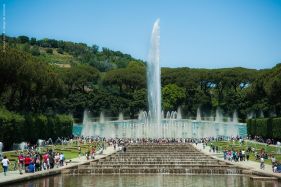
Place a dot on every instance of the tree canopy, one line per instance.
(75, 76)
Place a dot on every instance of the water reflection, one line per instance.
(146, 181)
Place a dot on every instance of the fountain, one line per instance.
(235, 117)
(120, 117)
(102, 117)
(88, 128)
(40, 144)
(179, 114)
(251, 115)
(198, 116)
(58, 141)
(153, 123)
(153, 76)
(1, 147)
(23, 146)
(219, 117)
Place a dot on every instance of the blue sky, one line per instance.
(194, 33)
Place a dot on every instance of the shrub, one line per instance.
(276, 128)
(49, 51)
(16, 128)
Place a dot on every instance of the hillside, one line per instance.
(65, 52)
(59, 77)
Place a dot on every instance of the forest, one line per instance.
(51, 77)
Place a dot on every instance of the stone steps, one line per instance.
(153, 166)
(167, 158)
(156, 163)
(156, 170)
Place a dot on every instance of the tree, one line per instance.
(80, 77)
(60, 50)
(23, 39)
(127, 79)
(173, 97)
(49, 51)
(35, 51)
(32, 41)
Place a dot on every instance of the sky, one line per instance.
(194, 33)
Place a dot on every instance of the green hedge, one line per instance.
(11, 126)
(276, 128)
(265, 127)
(15, 128)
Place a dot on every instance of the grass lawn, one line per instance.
(229, 145)
(69, 151)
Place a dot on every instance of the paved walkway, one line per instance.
(253, 166)
(14, 176)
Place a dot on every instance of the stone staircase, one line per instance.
(154, 158)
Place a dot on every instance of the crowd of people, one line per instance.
(244, 155)
(34, 161)
(31, 160)
(268, 141)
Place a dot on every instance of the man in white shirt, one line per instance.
(5, 164)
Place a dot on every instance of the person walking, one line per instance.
(262, 163)
(5, 164)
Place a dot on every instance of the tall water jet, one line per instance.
(235, 117)
(250, 115)
(179, 116)
(22, 146)
(198, 116)
(87, 129)
(153, 75)
(1, 147)
(120, 117)
(152, 123)
(218, 117)
(102, 117)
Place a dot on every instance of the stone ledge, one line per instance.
(263, 178)
(55, 171)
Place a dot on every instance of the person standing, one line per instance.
(273, 161)
(27, 161)
(262, 163)
(5, 164)
(21, 162)
(61, 159)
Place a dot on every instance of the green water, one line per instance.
(146, 181)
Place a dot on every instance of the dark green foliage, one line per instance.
(23, 39)
(103, 60)
(249, 126)
(49, 50)
(276, 128)
(265, 127)
(32, 41)
(60, 50)
(35, 51)
(173, 97)
(16, 128)
(261, 127)
(11, 125)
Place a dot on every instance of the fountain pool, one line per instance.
(162, 180)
